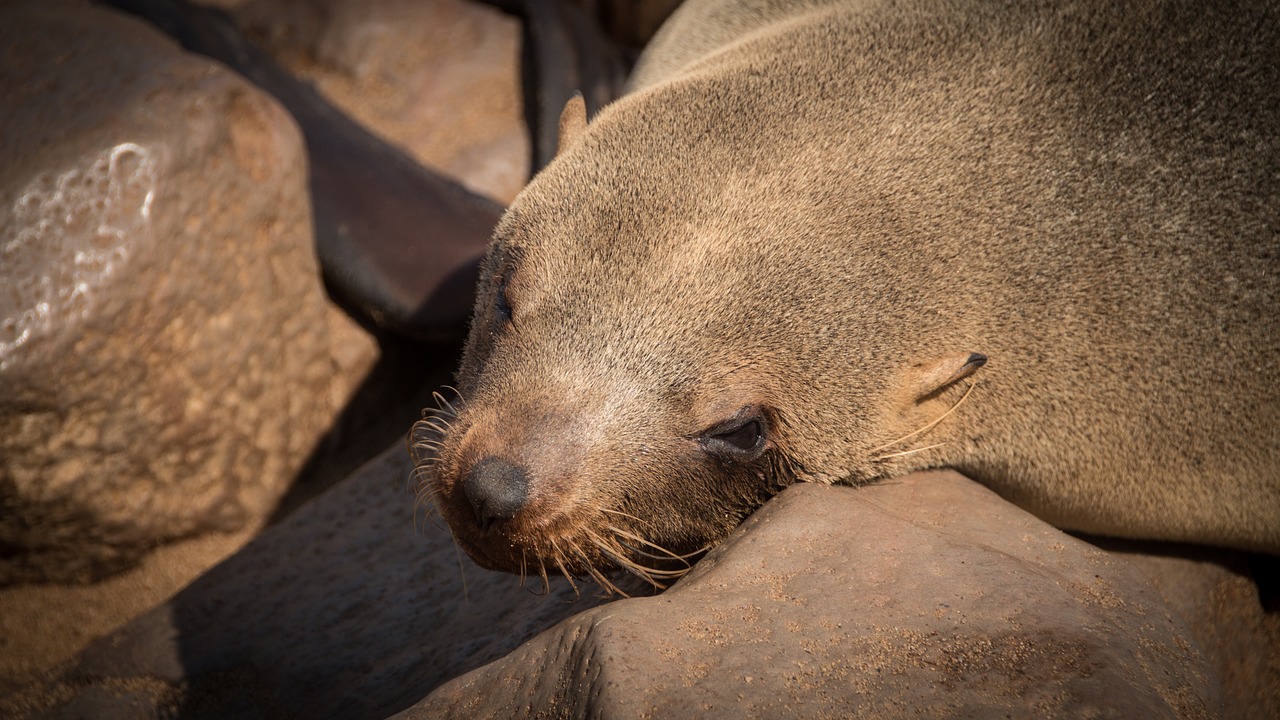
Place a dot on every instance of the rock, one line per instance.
(398, 243)
(44, 624)
(929, 597)
(1217, 593)
(165, 365)
(440, 79)
(354, 606)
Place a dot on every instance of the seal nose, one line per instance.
(496, 489)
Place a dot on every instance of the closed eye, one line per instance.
(741, 438)
(501, 300)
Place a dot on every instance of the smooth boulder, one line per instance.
(925, 597)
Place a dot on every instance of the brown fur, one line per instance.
(824, 212)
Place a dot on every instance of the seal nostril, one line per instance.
(496, 489)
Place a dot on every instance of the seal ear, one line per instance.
(943, 372)
(572, 121)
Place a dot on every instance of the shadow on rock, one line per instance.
(927, 597)
(355, 606)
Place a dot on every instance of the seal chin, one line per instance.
(498, 553)
(478, 555)
(506, 545)
(578, 553)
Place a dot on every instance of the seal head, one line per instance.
(639, 374)
(791, 252)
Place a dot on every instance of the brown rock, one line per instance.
(440, 79)
(164, 358)
(925, 597)
(929, 597)
(354, 606)
(44, 624)
(1216, 592)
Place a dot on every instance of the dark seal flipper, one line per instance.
(565, 52)
(398, 243)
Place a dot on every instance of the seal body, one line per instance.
(786, 254)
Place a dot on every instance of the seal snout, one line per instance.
(496, 489)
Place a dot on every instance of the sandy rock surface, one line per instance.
(165, 364)
(1218, 594)
(928, 597)
(925, 597)
(44, 624)
(355, 606)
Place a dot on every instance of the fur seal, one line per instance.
(839, 241)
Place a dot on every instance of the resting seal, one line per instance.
(837, 242)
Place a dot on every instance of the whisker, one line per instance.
(624, 562)
(621, 545)
(432, 431)
(546, 582)
(593, 571)
(556, 555)
(462, 573)
(420, 505)
(604, 582)
(631, 548)
(425, 498)
(435, 418)
(427, 512)
(614, 552)
(442, 401)
(457, 394)
(655, 546)
(628, 516)
(646, 574)
(913, 451)
(931, 425)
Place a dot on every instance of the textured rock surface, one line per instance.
(926, 596)
(44, 624)
(1217, 594)
(164, 357)
(441, 79)
(354, 606)
(929, 597)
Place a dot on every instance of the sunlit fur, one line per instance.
(806, 207)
